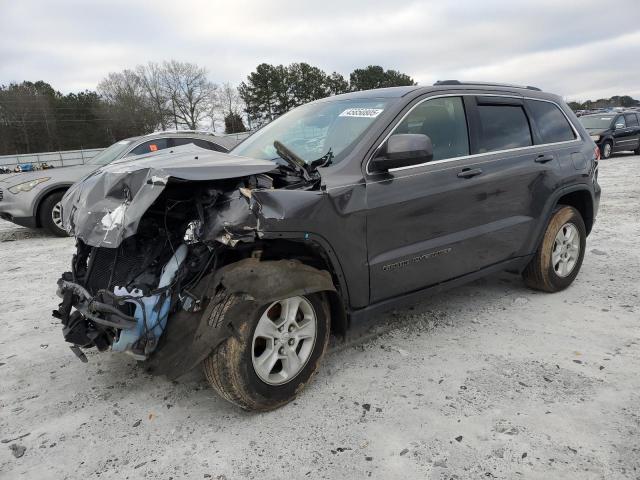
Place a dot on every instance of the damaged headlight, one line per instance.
(28, 186)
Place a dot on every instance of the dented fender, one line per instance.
(191, 337)
(273, 280)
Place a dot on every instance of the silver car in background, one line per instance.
(32, 199)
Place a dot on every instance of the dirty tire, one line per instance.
(45, 214)
(229, 369)
(540, 274)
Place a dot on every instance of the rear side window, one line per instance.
(149, 147)
(444, 121)
(198, 142)
(551, 122)
(503, 127)
(632, 120)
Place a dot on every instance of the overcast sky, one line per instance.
(582, 49)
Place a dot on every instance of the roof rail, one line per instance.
(200, 132)
(485, 84)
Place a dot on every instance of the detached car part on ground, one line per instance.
(339, 209)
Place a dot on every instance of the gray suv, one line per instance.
(33, 199)
(339, 209)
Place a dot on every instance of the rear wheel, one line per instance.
(559, 257)
(51, 214)
(275, 352)
(637, 150)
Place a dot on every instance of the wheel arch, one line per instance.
(608, 139)
(578, 196)
(582, 201)
(37, 204)
(273, 279)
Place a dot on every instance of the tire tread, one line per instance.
(536, 274)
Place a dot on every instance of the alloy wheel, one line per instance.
(56, 215)
(566, 250)
(283, 340)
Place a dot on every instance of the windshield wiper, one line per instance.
(294, 161)
(323, 161)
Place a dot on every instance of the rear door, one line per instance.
(634, 130)
(467, 209)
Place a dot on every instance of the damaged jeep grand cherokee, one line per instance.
(343, 207)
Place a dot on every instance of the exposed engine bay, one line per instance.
(152, 239)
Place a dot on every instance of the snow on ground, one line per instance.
(490, 380)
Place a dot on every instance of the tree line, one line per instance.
(273, 90)
(34, 117)
(624, 101)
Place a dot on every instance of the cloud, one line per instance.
(566, 47)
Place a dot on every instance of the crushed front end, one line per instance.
(150, 237)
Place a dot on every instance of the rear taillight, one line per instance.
(596, 153)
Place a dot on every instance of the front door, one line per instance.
(624, 137)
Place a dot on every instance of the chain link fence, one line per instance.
(65, 158)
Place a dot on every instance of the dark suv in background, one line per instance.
(343, 207)
(614, 132)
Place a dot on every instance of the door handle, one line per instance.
(544, 158)
(469, 172)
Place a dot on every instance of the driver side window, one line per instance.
(444, 121)
(620, 123)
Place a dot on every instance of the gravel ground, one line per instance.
(490, 380)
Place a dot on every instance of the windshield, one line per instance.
(109, 154)
(596, 121)
(315, 130)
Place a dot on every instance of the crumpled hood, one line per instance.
(106, 207)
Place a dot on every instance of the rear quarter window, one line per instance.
(198, 142)
(552, 124)
(503, 127)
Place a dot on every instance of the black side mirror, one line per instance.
(403, 150)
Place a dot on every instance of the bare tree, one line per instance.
(230, 100)
(151, 77)
(127, 104)
(230, 106)
(190, 92)
(122, 86)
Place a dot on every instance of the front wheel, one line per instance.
(559, 257)
(51, 214)
(276, 349)
(607, 149)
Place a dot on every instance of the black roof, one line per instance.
(389, 92)
(397, 92)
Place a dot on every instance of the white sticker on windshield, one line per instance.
(362, 112)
